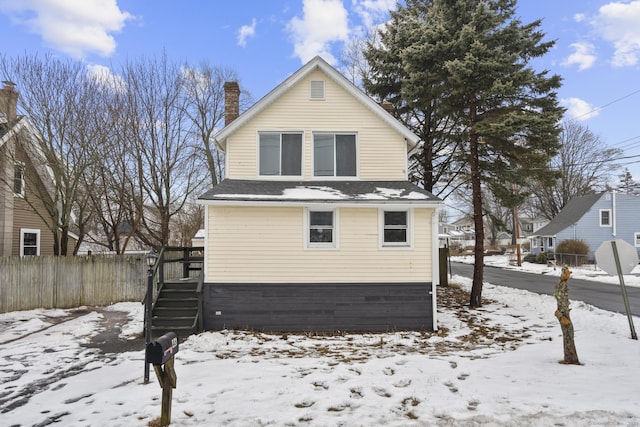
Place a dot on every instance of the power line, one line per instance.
(630, 144)
(595, 110)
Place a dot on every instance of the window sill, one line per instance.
(321, 247)
(396, 247)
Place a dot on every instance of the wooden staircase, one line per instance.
(178, 304)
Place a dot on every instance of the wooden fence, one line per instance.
(63, 282)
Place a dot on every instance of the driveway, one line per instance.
(602, 295)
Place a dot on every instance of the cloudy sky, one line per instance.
(597, 49)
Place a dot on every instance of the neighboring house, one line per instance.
(198, 238)
(594, 218)
(316, 226)
(528, 226)
(23, 177)
(456, 235)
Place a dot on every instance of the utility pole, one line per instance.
(516, 229)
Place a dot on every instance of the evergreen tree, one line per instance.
(465, 64)
(405, 70)
(627, 183)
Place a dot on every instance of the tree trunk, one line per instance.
(561, 292)
(478, 223)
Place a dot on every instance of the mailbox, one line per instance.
(162, 349)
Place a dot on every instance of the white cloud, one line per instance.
(323, 22)
(579, 109)
(583, 55)
(106, 78)
(245, 32)
(617, 23)
(75, 27)
(373, 12)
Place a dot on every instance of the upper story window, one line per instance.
(280, 154)
(334, 154)
(18, 179)
(605, 217)
(636, 239)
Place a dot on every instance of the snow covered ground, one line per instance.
(495, 366)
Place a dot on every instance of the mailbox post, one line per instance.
(161, 354)
(151, 261)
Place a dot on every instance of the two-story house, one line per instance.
(316, 226)
(25, 183)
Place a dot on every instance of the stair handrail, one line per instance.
(187, 258)
(200, 302)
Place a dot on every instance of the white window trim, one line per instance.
(307, 223)
(600, 218)
(334, 177)
(395, 246)
(534, 242)
(22, 183)
(278, 177)
(29, 230)
(636, 239)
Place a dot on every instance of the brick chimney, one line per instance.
(231, 102)
(387, 106)
(9, 100)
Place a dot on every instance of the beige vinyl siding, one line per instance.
(25, 215)
(381, 150)
(266, 245)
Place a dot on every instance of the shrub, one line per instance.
(542, 258)
(573, 246)
(572, 252)
(529, 258)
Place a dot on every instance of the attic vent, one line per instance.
(316, 88)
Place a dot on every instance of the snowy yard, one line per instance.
(497, 365)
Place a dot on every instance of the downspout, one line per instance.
(435, 266)
(205, 253)
(613, 212)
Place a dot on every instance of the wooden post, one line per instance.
(167, 379)
(561, 292)
(443, 257)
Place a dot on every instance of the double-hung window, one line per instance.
(18, 179)
(605, 217)
(636, 239)
(280, 154)
(334, 154)
(395, 228)
(321, 229)
(29, 242)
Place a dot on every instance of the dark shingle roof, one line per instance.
(569, 215)
(319, 191)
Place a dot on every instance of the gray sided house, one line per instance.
(316, 226)
(26, 184)
(593, 218)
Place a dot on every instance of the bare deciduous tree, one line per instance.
(203, 90)
(168, 165)
(58, 97)
(585, 165)
(112, 185)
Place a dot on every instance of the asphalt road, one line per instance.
(598, 294)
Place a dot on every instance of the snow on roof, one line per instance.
(325, 191)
